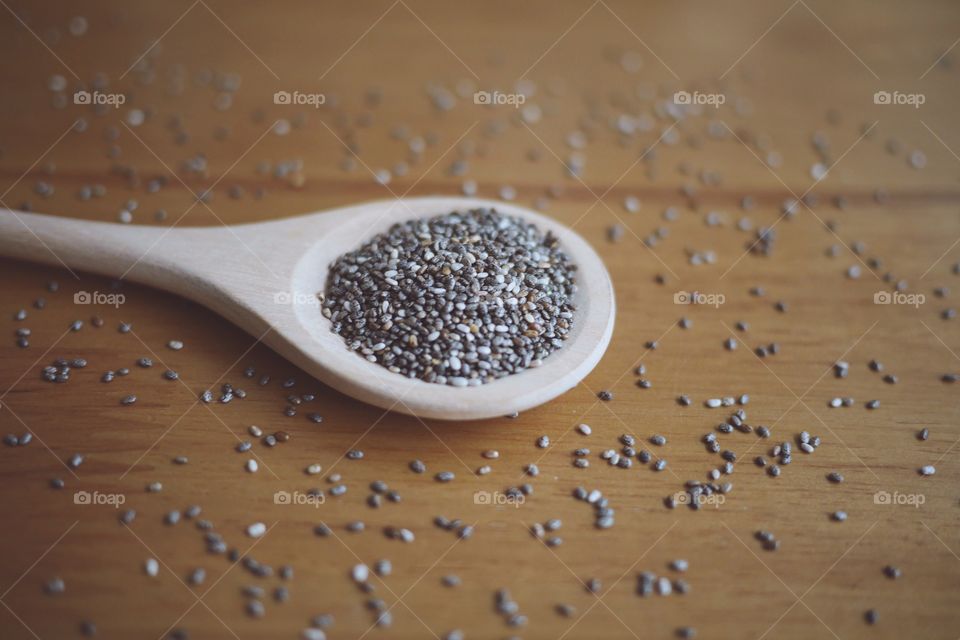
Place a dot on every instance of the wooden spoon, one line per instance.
(264, 277)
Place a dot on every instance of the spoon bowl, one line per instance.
(265, 277)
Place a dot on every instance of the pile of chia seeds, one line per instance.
(460, 299)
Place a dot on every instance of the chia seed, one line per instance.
(460, 299)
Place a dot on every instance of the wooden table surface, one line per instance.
(795, 78)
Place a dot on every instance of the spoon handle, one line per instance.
(152, 255)
(98, 247)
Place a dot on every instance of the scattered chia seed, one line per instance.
(56, 586)
(450, 581)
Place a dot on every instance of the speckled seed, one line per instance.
(453, 260)
(55, 586)
(383, 568)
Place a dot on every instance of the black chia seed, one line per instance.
(459, 299)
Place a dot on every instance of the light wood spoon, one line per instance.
(264, 277)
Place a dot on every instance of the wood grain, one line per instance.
(791, 64)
